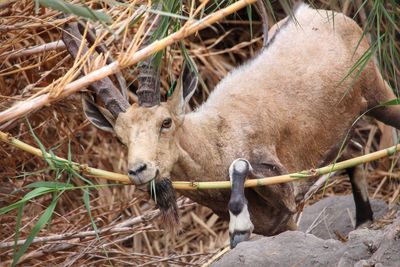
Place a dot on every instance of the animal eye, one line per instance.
(167, 123)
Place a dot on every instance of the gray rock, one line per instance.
(364, 247)
(335, 216)
(292, 248)
(359, 246)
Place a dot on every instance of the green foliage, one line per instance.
(80, 11)
(43, 220)
(55, 188)
(383, 26)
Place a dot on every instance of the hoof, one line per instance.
(238, 236)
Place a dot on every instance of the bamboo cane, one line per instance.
(78, 167)
(22, 108)
(184, 185)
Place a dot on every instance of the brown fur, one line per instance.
(286, 106)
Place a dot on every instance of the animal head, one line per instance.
(149, 132)
(148, 129)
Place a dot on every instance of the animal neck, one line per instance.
(200, 147)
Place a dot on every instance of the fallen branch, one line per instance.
(312, 173)
(122, 227)
(22, 108)
(56, 45)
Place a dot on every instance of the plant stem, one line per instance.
(183, 185)
(22, 108)
(76, 166)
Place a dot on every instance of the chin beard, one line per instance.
(165, 199)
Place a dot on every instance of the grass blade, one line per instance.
(34, 193)
(86, 200)
(49, 184)
(79, 11)
(36, 229)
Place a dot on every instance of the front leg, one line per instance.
(280, 197)
(240, 225)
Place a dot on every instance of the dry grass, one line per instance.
(216, 51)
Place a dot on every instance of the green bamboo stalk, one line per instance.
(83, 168)
(184, 185)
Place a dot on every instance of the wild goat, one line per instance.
(286, 110)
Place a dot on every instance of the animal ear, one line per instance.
(98, 116)
(184, 90)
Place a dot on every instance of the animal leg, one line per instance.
(359, 186)
(240, 225)
(364, 215)
(280, 198)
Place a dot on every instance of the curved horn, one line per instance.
(264, 18)
(105, 89)
(148, 91)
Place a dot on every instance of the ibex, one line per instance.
(286, 110)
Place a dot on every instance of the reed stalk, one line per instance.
(185, 185)
(83, 168)
(24, 107)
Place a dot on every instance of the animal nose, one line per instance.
(137, 168)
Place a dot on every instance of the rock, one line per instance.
(335, 216)
(364, 247)
(277, 251)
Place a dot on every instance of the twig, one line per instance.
(124, 226)
(216, 257)
(67, 236)
(56, 45)
(29, 25)
(7, 3)
(317, 185)
(22, 108)
(317, 221)
(183, 185)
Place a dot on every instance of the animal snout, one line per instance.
(142, 172)
(137, 168)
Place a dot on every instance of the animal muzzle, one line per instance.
(238, 236)
(142, 172)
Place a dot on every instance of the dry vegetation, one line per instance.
(131, 232)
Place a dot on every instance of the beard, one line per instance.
(165, 199)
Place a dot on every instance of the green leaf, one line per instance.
(171, 89)
(86, 200)
(17, 228)
(48, 184)
(41, 146)
(250, 15)
(392, 102)
(79, 11)
(34, 193)
(36, 229)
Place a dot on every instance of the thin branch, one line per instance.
(66, 236)
(29, 25)
(78, 167)
(56, 45)
(312, 173)
(22, 108)
(122, 227)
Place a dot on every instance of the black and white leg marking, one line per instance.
(240, 225)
